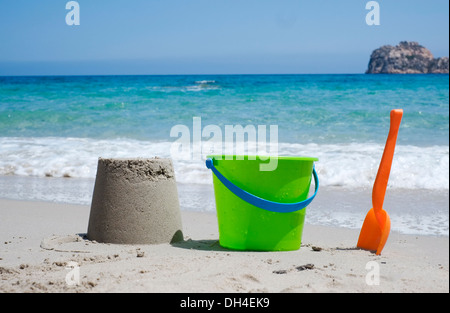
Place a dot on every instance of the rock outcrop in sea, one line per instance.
(406, 58)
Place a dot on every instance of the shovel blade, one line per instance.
(374, 233)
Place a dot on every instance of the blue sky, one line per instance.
(210, 36)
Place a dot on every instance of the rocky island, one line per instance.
(406, 58)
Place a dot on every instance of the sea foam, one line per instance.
(346, 165)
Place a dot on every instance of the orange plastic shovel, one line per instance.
(377, 225)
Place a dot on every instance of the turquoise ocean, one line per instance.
(53, 129)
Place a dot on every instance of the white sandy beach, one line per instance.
(39, 240)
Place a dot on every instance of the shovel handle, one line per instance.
(381, 181)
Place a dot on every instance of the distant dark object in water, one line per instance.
(406, 58)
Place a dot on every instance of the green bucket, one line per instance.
(261, 210)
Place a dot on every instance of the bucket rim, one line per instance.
(223, 157)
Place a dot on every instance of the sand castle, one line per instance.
(135, 201)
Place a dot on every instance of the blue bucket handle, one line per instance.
(260, 202)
